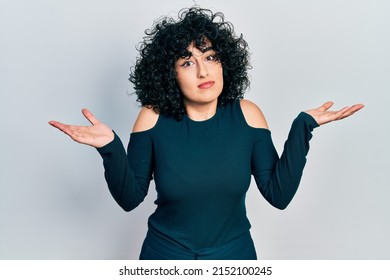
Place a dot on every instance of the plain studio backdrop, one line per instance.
(57, 57)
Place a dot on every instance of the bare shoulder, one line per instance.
(253, 115)
(147, 119)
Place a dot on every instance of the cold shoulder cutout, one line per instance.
(253, 115)
(146, 120)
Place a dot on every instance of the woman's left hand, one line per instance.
(323, 116)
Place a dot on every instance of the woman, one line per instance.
(200, 141)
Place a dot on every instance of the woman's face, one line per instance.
(199, 76)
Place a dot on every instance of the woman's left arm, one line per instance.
(278, 178)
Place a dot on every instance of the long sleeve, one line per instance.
(128, 175)
(278, 178)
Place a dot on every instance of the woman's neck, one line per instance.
(201, 112)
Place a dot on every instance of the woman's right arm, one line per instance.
(127, 175)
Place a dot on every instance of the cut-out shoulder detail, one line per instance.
(253, 115)
(146, 120)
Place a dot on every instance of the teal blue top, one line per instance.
(202, 171)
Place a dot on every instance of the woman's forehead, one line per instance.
(197, 50)
(202, 44)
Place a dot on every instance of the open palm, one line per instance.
(96, 135)
(322, 115)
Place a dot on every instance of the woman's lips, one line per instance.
(206, 85)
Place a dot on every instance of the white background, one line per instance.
(57, 57)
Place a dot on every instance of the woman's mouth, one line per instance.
(206, 85)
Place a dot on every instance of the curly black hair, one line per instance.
(154, 75)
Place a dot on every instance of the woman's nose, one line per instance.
(202, 70)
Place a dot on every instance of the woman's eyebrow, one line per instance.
(206, 49)
(189, 54)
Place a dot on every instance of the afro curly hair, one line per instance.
(154, 75)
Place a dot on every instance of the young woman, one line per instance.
(200, 141)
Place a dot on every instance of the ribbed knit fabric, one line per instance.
(202, 171)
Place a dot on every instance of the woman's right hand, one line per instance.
(97, 135)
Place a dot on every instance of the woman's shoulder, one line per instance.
(253, 115)
(147, 119)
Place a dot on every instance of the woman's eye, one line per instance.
(187, 63)
(210, 57)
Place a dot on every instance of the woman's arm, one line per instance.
(127, 175)
(278, 178)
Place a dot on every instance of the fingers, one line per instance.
(340, 114)
(96, 135)
(89, 116)
(323, 115)
(349, 111)
(58, 125)
(325, 106)
(357, 107)
(344, 112)
(65, 128)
